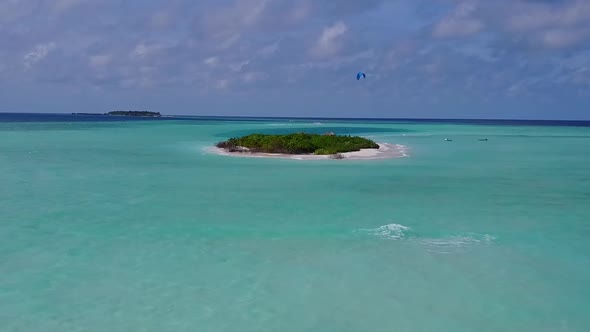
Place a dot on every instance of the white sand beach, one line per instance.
(385, 151)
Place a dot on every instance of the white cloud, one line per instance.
(37, 54)
(560, 38)
(252, 12)
(222, 84)
(453, 28)
(539, 16)
(581, 76)
(431, 68)
(269, 50)
(99, 60)
(252, 77)
(229, 41)
(211, 61)
(145, 50)
(551, 25)
(15, 10)
(328, 42)
(545, 24)
(229, 20)
(161, 19)
(300, 12)
(64, 5)
(239, 66)
(459, 23)
(515, 89)
(212, 46)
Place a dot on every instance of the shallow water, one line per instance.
(131, 226)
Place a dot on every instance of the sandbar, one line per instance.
(385, 151)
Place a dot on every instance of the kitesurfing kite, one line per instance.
(359, 75)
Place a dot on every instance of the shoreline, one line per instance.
(385, 151)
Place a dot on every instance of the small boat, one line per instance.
(482, 139)
(448, 140)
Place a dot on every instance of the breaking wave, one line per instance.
(444, 244)
(403, 150)
(392, 231)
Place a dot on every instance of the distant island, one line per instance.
(297, 144)
(125, 113)
(135, 113)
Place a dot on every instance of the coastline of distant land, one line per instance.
(124, 113)
(6, 116)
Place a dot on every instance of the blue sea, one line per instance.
(123, 224)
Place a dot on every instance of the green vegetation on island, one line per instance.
(135, 113)
(297, 143)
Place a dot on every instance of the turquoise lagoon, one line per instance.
(134, 226)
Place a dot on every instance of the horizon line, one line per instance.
(314, 117)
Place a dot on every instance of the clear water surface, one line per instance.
(125, 225)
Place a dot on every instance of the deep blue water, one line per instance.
(66, 117)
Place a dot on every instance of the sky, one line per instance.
(512, 59)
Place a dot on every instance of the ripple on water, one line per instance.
(446, 244)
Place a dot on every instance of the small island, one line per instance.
(124, 113)
(308, 146)
(135, 113)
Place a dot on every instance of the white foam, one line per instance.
(392, 231)
(438, 245)
(402, 149)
